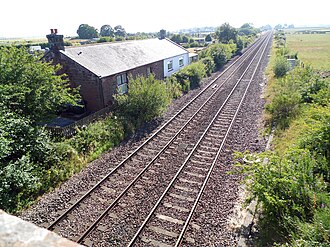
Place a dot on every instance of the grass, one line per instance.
(20, 41)
(313, 49)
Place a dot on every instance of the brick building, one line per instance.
(102, 70)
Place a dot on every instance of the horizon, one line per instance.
(34, 19)
(171, 31)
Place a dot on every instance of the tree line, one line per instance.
(224, 34)
(86, 31)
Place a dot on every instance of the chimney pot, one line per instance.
(55, 30)
(162, 34)
(51, 31)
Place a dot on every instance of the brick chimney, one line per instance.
(162, 34)
(55, 41)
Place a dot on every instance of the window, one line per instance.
(170, 66)
(149, 71)
(180, 61)
(122, 86)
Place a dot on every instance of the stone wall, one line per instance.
(16, 232)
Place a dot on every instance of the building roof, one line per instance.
(111, 58)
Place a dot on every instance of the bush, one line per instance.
(209, 65)
(105, 39)
(315, 137)
(284, 185)
(220, 53)
(20, 181)
(191, 75)
(147, 98)
(284, 107)
(195, 73)
(98, 137)
(173, 87)
(30, 87)
(281, 67)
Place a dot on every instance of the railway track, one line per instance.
(182, 145)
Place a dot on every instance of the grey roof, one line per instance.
(111, 58)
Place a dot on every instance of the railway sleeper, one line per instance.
(203, 157)
(183, 198)
(206, 152)
(176, 207)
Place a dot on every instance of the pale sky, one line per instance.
(34, 18)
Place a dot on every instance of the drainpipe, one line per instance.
(101, 91)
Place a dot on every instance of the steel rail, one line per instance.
(185, 162)
(115, 201)
(180, 238)
(72, 207)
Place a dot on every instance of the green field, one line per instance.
(312, 49)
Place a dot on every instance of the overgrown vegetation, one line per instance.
(291, 183)
(31, 161)
(31, 88)
(147, 98)
(31, 91)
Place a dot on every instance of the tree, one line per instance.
(120, 31)
(106, 31)
(185, 39)
(278, 26)
(24, 156)
(220, 53)
(265, 28)
(87, 32)
(247, 29)
(225, 33)
(208, 38)
(176, 38)
(30, 87)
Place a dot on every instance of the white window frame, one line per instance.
(170, 66)
(122, 84)
(181, 62)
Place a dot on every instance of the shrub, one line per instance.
(220, 53)
(284, 185)
(147, 98)
(173, 87)
(105, 39)
(209, 65)
(98, 137)
(284, 107)
(316, 137)
(30, 87)
(191, 75)
(195, 72)
(281, 67)
(20, 180)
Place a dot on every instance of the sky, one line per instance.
(35, 18)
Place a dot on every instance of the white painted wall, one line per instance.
(176, 66)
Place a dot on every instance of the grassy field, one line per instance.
(313, 49)
(22, 41)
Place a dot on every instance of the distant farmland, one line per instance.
(312, 48)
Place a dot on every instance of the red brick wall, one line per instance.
(98, 93)
(109, 84)
(89, 83)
